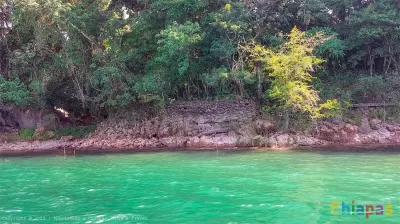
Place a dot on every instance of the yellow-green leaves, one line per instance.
(328, 109)
(291, 70)
(228, 7)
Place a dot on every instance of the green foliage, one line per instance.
(56, 133)
(379, 113)
(330, 108)
(216, 81)
(373, 23)
(26, 133)
(370, 89)
(333, 48)
(357, 118)
(103, 57)
(174, 49)
(114, 86)
(392, 114)
(335, 86)
(177, 9)
(76, 131)
(13, 92)
(351, 88)
(300, 122)
(290, 69)
(176, 38)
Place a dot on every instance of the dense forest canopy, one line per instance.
(104, 56)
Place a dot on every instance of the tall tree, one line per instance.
(290, 69)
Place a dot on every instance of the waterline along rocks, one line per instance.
(216, 124)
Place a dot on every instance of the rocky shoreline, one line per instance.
(206, 125)
(75, 148)
(327, 135)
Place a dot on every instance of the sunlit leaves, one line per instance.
(178, 37)
(290, 69)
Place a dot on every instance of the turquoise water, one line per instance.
(198, 187)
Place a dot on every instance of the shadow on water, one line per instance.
(334, 150)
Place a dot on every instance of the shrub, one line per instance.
(76, 131)
(13, 92)
(26, 133)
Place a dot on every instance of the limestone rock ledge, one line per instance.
(217, 124)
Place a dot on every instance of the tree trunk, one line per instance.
(285, 120)
(259, 87)
(370, 61)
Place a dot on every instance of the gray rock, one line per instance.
(67, 138)
(302, 140)
(244, 141)
(264, 127)
(284, 140)
(384, 133)
(392, 128)
(258, 141)
(2, 121)
(174, 142)
(364, 127)
(375, 124)
(272, 142)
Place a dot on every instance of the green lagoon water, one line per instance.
(197, 187)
